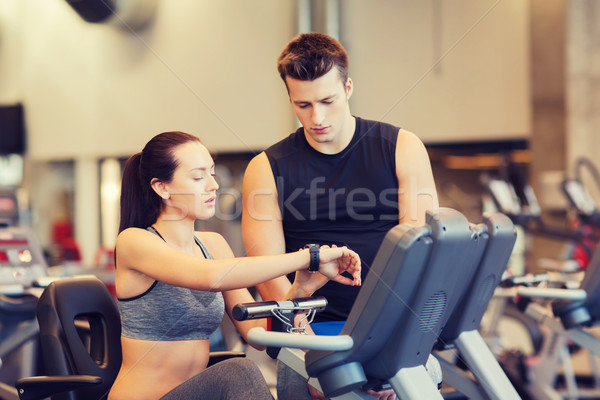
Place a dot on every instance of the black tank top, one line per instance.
(349, 198)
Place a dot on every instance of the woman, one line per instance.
(173, 284)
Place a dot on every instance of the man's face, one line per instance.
(321, 105)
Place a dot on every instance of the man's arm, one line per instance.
(261, 222)
(416, 186)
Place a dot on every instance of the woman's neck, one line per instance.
(178, 233)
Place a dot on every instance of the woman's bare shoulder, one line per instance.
(215, 243)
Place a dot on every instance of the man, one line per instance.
(338, 179)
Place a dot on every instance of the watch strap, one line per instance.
(314, 257)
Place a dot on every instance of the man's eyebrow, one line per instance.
(301, 102)
(309, 102)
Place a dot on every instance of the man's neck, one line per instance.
(340, 142)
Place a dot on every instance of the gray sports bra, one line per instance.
(166, 312)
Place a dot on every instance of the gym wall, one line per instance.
(96, 90)
(448, 71)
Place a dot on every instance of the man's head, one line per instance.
(310, 56)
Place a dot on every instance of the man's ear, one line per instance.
(160, 188)
(349, 88)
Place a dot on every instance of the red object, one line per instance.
(69, 250)
(61, 230)
(62, 236)
(581, 250)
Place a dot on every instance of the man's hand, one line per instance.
(388, 394)
(316, 395)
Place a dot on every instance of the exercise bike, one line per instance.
(586, 214)
(21, 264)
(413, 299)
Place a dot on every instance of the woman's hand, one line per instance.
(333, 261)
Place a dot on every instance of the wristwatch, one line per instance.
(314, 257)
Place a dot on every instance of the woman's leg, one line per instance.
(233, 379)
(290, 384)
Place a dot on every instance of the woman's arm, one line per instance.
(220, 249)
(142, 251)
(239, 296)
(304, 285)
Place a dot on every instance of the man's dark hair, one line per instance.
(310, 56)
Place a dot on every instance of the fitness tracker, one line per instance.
(314, 257)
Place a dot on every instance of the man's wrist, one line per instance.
(298, 290)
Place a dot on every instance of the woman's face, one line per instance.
(193, 189)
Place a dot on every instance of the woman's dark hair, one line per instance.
(140, 204)
(310, 56)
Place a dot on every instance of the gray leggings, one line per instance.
(290, 384)
(236, 378)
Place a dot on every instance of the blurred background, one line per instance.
(82, 89)
(504, 93)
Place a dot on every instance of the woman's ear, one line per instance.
(160, 188)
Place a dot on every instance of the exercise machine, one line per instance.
(21, 264)
(579, 197)
(467, 362)
(513, 196)
(586, 214)
(415, 285)
(565, 317)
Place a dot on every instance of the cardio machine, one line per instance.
(21, 264)
(563, 317)
(566, 316)
(513, 196)
(586, 213)
(418, 291)
(579, 197)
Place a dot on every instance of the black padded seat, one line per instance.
(88, 361)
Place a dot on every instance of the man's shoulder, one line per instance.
(377, 129)
(285, 146)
